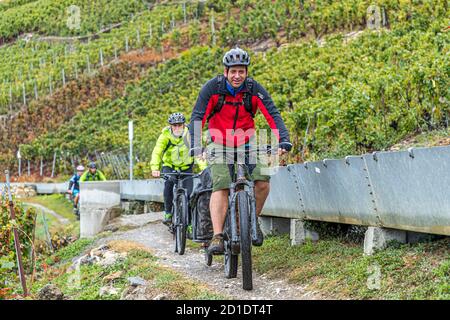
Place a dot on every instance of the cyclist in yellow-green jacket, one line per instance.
(172, 153)
(92, 174)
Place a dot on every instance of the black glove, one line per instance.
(285, 145)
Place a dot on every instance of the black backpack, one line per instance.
(199, 203)
(247, 98)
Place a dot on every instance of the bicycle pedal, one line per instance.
(235, 248)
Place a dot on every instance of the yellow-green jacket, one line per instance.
(88, 176)
(173, 152)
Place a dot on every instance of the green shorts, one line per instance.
(220, 171)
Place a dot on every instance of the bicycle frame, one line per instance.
(178, 187)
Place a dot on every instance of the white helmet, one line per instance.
(80, 168)
(236, 57)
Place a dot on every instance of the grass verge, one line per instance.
(340, 270)
(426, 139)
(85, 284)
(57, 203)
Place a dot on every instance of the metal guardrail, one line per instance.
(49, 188)
(335, 190)
(406, 190)
(144, 190)
(412, 189)
(45, 188)
(284, 199)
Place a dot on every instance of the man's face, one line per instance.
(177, 129)
(92, 170)
(236, 75)
(79, 173)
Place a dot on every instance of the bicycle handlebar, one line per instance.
(168, 175)
(267, 149)
(179, 174)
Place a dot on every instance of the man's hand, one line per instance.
(195, 152)
(202, 156)
(156, 173)
(284, 147)
(69, 191)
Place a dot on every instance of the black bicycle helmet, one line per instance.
(236, 57)
(92, 165)
(176, 118)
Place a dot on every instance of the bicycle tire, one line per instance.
(180, 224)
(78, 211)
(172, 229)
(230, 260)
(208, 259)
(246, 241)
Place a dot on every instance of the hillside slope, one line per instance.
(338, 96)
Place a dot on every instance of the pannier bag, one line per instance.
(201, 217)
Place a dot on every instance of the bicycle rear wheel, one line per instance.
(246, 241)
(180, 224)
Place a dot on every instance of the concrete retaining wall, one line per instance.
(98, 201)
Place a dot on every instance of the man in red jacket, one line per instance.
(229, 103)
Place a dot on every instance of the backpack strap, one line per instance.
(221, 100)
(247, 98)
(168, 146)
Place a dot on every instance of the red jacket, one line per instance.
(234, 125)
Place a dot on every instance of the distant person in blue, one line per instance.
(74, 188)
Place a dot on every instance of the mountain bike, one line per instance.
(76, 210)
(180, 209)
(240, 223)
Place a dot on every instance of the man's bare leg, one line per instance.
(262, 189)
(218, 207)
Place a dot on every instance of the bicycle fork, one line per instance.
(253, 217)
(232, 207)
(233, 218)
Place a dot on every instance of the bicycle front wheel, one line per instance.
(180, 224)
(246, 241)
(230, 259)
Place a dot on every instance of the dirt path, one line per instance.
(60, 218)
(153, 234)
